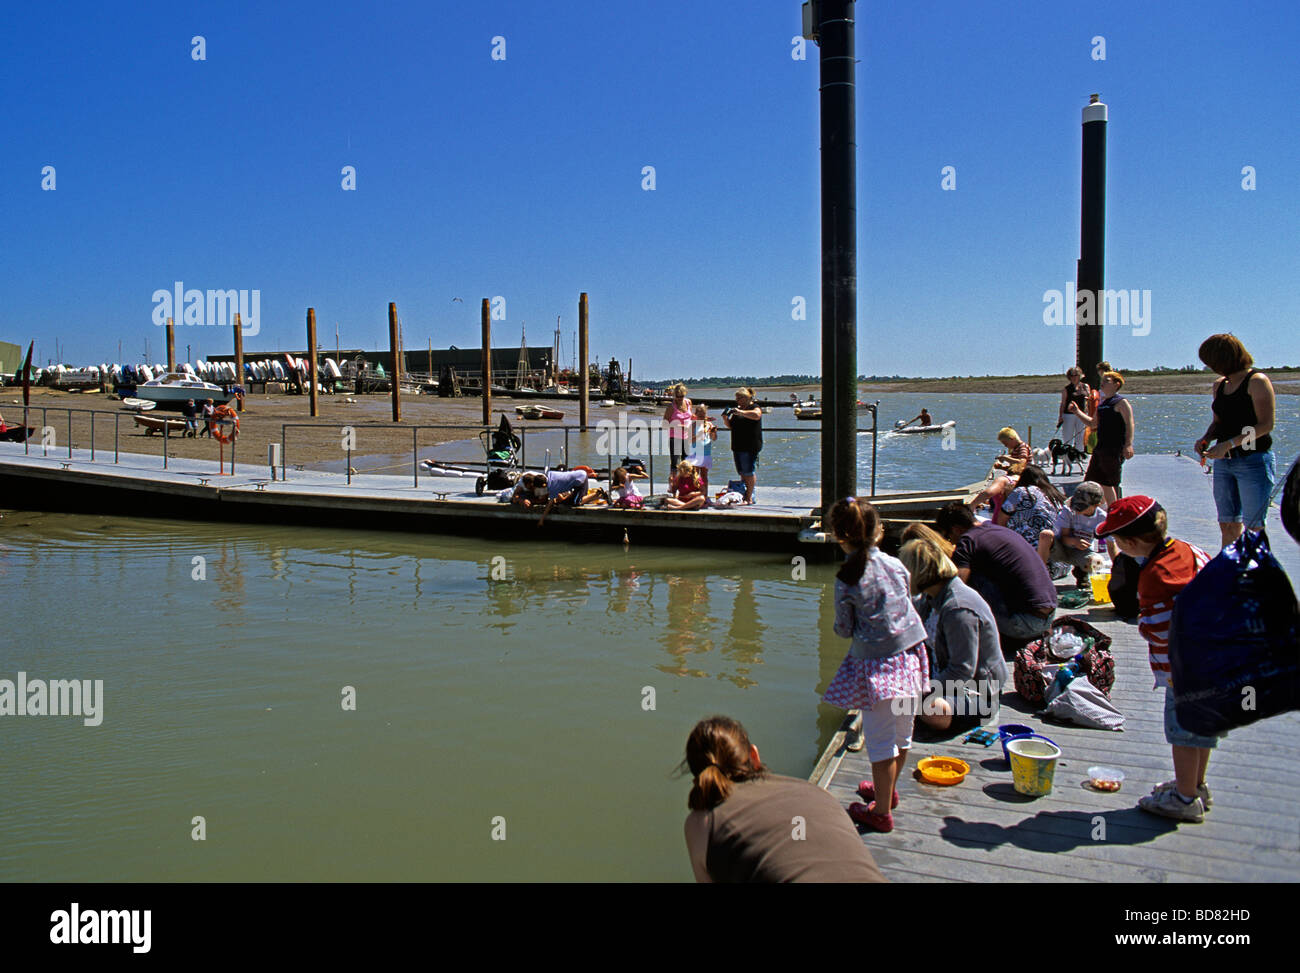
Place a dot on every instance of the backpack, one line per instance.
(1123, 586)
(1291, 501)
(1234, 641)
(1035, 669)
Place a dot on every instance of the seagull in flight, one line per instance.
(455, 299)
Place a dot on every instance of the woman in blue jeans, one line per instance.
(1244, 407)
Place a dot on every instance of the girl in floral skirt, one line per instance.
(886, 670)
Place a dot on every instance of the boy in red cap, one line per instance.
(1139, 527)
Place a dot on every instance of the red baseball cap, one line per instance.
(1124, 514)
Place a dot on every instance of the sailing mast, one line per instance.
(521, 367)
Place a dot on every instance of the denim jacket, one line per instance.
(877, 612)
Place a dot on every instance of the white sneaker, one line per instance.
(1202, 792)
(1168, 804)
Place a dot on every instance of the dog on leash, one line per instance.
(1072, 456)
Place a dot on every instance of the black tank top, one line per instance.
(1076, 395)
(1110, 424)
(1234, 411)
(746, 435)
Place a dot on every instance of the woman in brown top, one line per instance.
(747, 825)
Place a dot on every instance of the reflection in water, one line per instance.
(686, 622)
(831, 650)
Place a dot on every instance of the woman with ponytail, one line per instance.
(748, 825)
(886, 670)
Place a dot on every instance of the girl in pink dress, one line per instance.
(886, 670)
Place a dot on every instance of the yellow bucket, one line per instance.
(1033, 765)
(1099, 583)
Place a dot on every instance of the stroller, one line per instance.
(502, 448)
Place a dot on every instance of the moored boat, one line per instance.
(174, 389)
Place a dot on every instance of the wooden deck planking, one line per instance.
(981, 830)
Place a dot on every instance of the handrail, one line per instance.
(650, 422)
(523, 430)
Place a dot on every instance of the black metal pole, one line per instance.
(1092, 240)
(839, 250)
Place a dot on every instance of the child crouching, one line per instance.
(886, 669)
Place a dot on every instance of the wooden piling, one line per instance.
(584, 373)
(171, 346)
(239, 358)
(311, 360)
(397, 364)
(486, 316)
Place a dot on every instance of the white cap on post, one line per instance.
(1095, 111)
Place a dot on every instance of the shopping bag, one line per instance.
(1234, 653)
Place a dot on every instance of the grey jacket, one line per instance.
(965, 642)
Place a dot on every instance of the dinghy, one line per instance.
(153, 424)
(138, 405)
(919, 429)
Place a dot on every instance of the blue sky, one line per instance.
(522, 177)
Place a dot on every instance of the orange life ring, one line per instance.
(218, 427)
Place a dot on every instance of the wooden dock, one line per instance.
(138, 485)
(983, 831)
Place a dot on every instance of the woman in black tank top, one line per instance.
(1115, 429)
(1244, 407)
(1073, 430)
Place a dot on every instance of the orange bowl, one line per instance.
(944, 771)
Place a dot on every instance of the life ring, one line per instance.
(217, 425)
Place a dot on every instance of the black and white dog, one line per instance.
(1071, 454)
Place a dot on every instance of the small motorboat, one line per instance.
(607, 403)
(153, 424)
(808, 412)
(138, 405)
(172, 390)
(940, 427)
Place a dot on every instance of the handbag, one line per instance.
(1234, 641)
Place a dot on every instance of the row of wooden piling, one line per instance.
(584, 374)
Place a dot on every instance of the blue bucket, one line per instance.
(1018, 731)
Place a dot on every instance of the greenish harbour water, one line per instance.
(486, 689)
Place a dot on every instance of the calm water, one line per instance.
(512, 688)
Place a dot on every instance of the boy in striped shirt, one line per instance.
(1139, 527)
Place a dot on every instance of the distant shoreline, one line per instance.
(1286, 381)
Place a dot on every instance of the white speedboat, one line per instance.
(174, 389)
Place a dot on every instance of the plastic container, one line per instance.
(1107, 779)
(1033, 765)
(1099, 583)
(944, 771)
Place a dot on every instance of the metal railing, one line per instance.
(45, 410)
(653, 427)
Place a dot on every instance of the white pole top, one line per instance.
(1095, 111)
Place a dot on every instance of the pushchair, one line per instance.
(501, 447)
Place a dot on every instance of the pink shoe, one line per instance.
(867, 790)
(865, 816)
